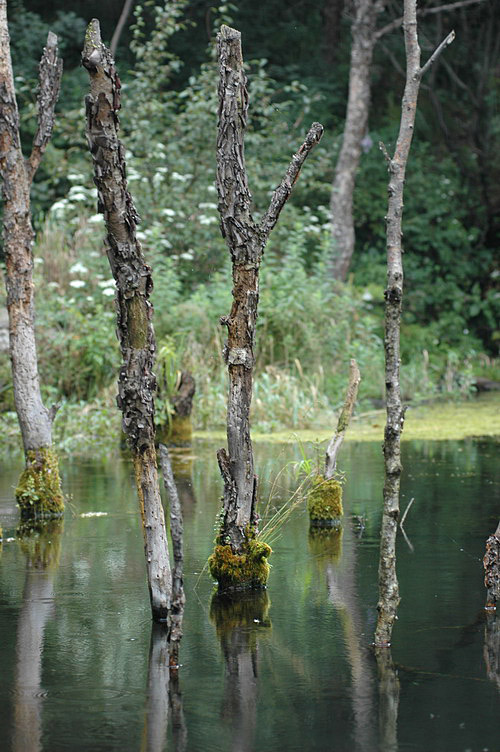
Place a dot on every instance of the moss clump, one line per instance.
(249, 569)
(324, 502)
(39, 493)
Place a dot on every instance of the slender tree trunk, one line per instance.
(39, 492)
(343, 421)
(246, 241)
(388, 583)
(127, 7)
(358, 106)
(136, 383)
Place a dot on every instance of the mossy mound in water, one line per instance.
(39, 493)
(249, 569)
(324, 502)
(178, 432)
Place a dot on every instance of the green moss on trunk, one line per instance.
(324, 502)
(249, 569)
(39, 493)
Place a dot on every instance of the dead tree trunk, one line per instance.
(388, 583)
(246, 240)
(491, 563)
(136, 383)
(358, 106)
(39, 491)
(324, 500)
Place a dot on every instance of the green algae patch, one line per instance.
(247, 570)
(324, 502)
(39, 493)
(439, 421)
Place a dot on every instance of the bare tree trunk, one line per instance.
(39, 491)
(127, 7)
(358, 106)
(491, 562)
(246, 241)
(388, 583)
(136, 383)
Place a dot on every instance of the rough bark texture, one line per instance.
(176, 534)
(343, 421)
(388, 690)
(491, 562)
(388, 583)
(246, 241)
(35, 420)
(358, 106)
(136, 382)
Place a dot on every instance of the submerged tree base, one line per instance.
(245, 571)
(324, 502)
(39, 492)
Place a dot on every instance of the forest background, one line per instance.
(309, 325)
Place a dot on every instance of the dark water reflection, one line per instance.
(289, 668)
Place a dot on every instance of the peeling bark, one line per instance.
(388, 583)
(356, 120)
(491, 563)
(246, 241)
(136, 383)
(35, 420)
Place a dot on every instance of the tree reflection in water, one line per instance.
(335, 553)
(162, 692)
(240, 619)
(41, 543)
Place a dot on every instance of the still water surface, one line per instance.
(287, 669)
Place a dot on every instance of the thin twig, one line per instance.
(445, 43)
(393, 25)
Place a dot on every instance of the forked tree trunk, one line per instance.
(388, 582)
(136, 383)
(358, 107)
(246, 240)
(39, 491)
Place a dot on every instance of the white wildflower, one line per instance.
(106, 282)
(77, 283)
(168, 212)
(78, 268)
(108, 291)
(95, 219)
(207, 205)
(204, 220)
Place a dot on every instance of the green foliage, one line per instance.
(39, 492)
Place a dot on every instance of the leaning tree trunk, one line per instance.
(388, 583)
(136, 383)
(233, 563)
(358, 106)
(39, 491)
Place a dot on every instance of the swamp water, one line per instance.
(286, 669)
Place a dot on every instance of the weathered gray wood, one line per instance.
(388, 583)
(491, 563)
(136, 383)
(246, 241)
(343, 421)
